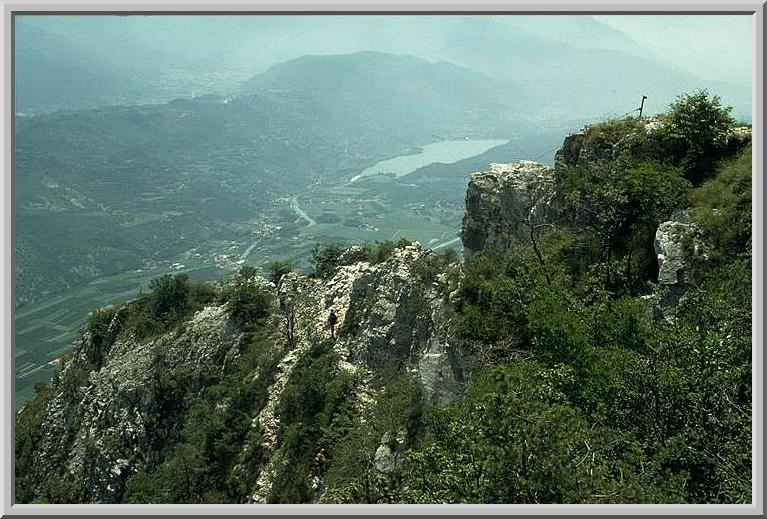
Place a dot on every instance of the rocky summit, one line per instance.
(505, 204)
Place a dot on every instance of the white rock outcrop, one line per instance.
(504, 203)
(682, 252)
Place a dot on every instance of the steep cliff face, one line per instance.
(389, 317)
(110, 423)
(505, 204)
(114, 420)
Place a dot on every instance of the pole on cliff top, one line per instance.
(641, 107)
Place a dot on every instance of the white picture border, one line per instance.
(9, 8)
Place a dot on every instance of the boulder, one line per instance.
(683, 253)
(503, 202)
(385, 460)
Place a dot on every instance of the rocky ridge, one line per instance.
(111, 426)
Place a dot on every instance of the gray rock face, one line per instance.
(504, 202)
(384, 459)
(112, 425)
(352, 255)
(387, 318)
(443, 366)
(682, 253)
(115, 412)
(677, 245)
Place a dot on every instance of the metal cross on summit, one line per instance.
(641, 106)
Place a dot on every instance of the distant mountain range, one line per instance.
(385, 92)
(127, 185)
(584, 69)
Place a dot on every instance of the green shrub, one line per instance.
(203, 293)
(170, 296)
(614, 131)
(314, 412)
(351, 475)
(698, 124)
(621, 203)
(558, 330)
(383, 250)
(278, 268)
(722, 206)
(247, 272)
(494, 296)
(249, 302)
(514, 439)
(98, 323)
(325, 259)
(449, 256)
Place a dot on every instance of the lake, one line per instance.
(444, 152)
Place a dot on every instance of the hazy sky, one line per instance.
(713, 47)
(95, 60)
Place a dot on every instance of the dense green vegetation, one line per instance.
(722, 206)
(595, 401)
(694, 135)
(587, 398)
(654, 411)
(170, 300)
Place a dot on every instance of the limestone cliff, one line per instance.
(114, 422)
(683, 255)
(505, 204)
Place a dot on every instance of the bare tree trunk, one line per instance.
(539, 256)
(532, 228)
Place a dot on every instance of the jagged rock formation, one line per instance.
(387, 319)
(113, 425)
(505, 203)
